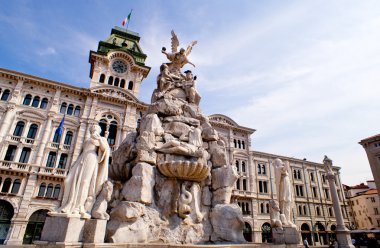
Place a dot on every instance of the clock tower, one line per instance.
(118, 66)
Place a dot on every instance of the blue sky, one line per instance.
(305, 74)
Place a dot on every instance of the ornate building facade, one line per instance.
(44, 123)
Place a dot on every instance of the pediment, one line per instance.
(223, 119)
(113, 92)
(69, 121)
(32, 114)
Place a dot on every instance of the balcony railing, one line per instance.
(32, 168)
(21, 139)
(14, 166)
(59, 146)
(242, 193)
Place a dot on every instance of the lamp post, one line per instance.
(342, 233)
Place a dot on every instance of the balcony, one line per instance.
(31, 168)
(14, 166)
(247, 212)
(21, 139)
(59, 146)
(237, 192)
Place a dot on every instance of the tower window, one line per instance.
(122, 83)
(117, 80)
(130, 85)
(110, 80)
(102, 78)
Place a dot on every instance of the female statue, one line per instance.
(87, 175)
(284, 191)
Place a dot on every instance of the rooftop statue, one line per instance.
(178, 58)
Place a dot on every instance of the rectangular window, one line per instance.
(327, 194)
(24, 157)
(373, 199)
(376, 210)
(51, 159)
(314, 192)
(263, 187)
(299, 190)
(10, 154)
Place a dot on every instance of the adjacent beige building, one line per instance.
(364, 206)
(34, 158)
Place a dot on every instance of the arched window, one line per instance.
(41, 191)
(116, 83)
(262, 208)
(68, 138)
(110, 80)
(263, 169)
(77, 111)
(103, 126)
(63, 108)
(266, 233)
(243, 166)
(6, 213)
(267, 208)
(237, 165)
(259, 169)
(235, 144)
(57, 190)
(25, 154)
(70, 109)
(304, 210)
(32, 131)
(130, 85)
(5, 95)
(35, 225)
(19, 128)
(62, 161)
(239, 144)
(244, 184)
(102, 78)
(49, 191)
(51, 159)
(299, 210)
(243, 144)
(27, 100)
(16, 186)
(36, 101)
(57, 137)
(122, 83)
(112, 131)
(6, 185)
(238, 184)
(44, 103)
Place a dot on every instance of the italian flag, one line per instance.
(126, 20)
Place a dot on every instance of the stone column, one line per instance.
(342, 233)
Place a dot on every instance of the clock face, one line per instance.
(119, 66)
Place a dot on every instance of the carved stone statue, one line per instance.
(87, 175)
(284, 191)
(274, 212)
(328, 164)
(178, 59)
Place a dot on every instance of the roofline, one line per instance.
(246, 129)
(370, 139)
(290, 158)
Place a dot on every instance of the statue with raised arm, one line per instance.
(87, 176)
(328, 164)
(284, 191)
(178, 58)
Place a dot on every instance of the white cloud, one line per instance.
(47, 51)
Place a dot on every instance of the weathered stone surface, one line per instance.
(136, 232)
(149, 157)
(291, 235)
(94, 231)
(206, 196)
(151, 123)
(177, 129)
(225, 176)
(186, 120)
(140, 187)
(63, 229)
(167, 195)
(127, 211)
(218, 153)
(146, 140)
(227, 222)
(121, 166)
(168, 107)
(222, 196)
(278, 235)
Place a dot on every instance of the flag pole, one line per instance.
(129, 19)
